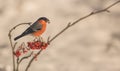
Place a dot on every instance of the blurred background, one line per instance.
(91, 45)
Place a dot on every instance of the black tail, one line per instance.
(26, 32)
(16, 38)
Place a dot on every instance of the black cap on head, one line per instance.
(44, 18)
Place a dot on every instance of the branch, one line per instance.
(25, 57)
(9, 34)
(11, 43)
(80, 19)
(19, 61)
(14, 45)
(30, 62)
(17, 64)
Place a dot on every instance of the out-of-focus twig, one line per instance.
(114, 37)
(80, 19)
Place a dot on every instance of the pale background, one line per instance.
(91, 45)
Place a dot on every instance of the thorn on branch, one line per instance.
(69, 24)
(48, 40)
(92, 13)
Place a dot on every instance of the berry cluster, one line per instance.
(35, 45)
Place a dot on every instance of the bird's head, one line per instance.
(45, 19)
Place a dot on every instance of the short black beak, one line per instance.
(48, 22)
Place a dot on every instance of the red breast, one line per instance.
(39, 32)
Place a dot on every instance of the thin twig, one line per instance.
(17, 68)
(9, 34)
(14, 45)
(26, 57)
(11, 43)
(30, 62)
(13, 58)
(80, 19)
(20, 60)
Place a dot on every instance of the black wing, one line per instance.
(33, 28)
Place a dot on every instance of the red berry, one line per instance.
(17, 53)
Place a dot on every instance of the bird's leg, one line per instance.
(35, 39)
(41, 39)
